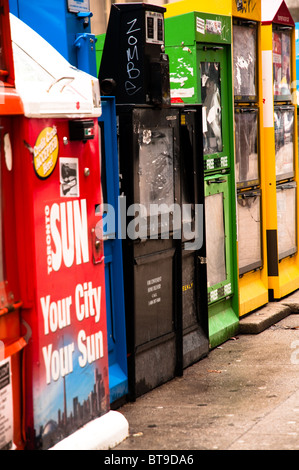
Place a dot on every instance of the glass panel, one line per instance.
(215, 239)
(156, 179)
(247, 166)
(211, 101)
(282, 62)
(249, 232)
(244, 61)
(286, 220)
(284, 147)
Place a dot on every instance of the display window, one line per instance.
(215, 91)
(215, 239)
(245, 61)
(211, 101)
(286, 219)
(156, 171)
(246, 147)
(249, 231)
(281, 40)
(284, 142)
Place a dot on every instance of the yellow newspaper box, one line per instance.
(249, 163)
(280, 147)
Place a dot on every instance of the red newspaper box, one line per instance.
(60, 250)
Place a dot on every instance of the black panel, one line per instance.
(272, 252)
(133, 57)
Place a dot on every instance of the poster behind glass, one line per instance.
(211, 102)
(249, 231)
(281, 41)
(284, 145)
(246, 132)
(286, 219)
(156, 170)
(215, 239)
(245, 62)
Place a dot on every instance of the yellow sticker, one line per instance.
(187, 287)
(46, 152)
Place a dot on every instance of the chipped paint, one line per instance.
(182, 93)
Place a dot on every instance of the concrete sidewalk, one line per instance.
(243, 396)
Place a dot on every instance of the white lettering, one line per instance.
(79, 309)
(88, 301)
(133, 71)
(286, 19)
(66, 234)
(45, 309)
(131, 30)
(47, 358)
(115, 460)
(97, 301)
(57, 254)
(91, 347)
(58, 363)
(131, 54)
(57, 315)
(81, 231)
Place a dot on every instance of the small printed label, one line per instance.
(153, 289)
(214, 295)
(76, 6)
(69, 177)
(200, 25)
(154, 27)
(228, 289)
(224, 161)
(6, 408)
(171, 118)
(210, 164)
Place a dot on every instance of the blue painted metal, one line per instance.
(69, 33)
(53, 21)
(115, 306)
(86, 58)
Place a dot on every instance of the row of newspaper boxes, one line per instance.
(207, 128)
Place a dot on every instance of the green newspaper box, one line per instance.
(199, 46)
